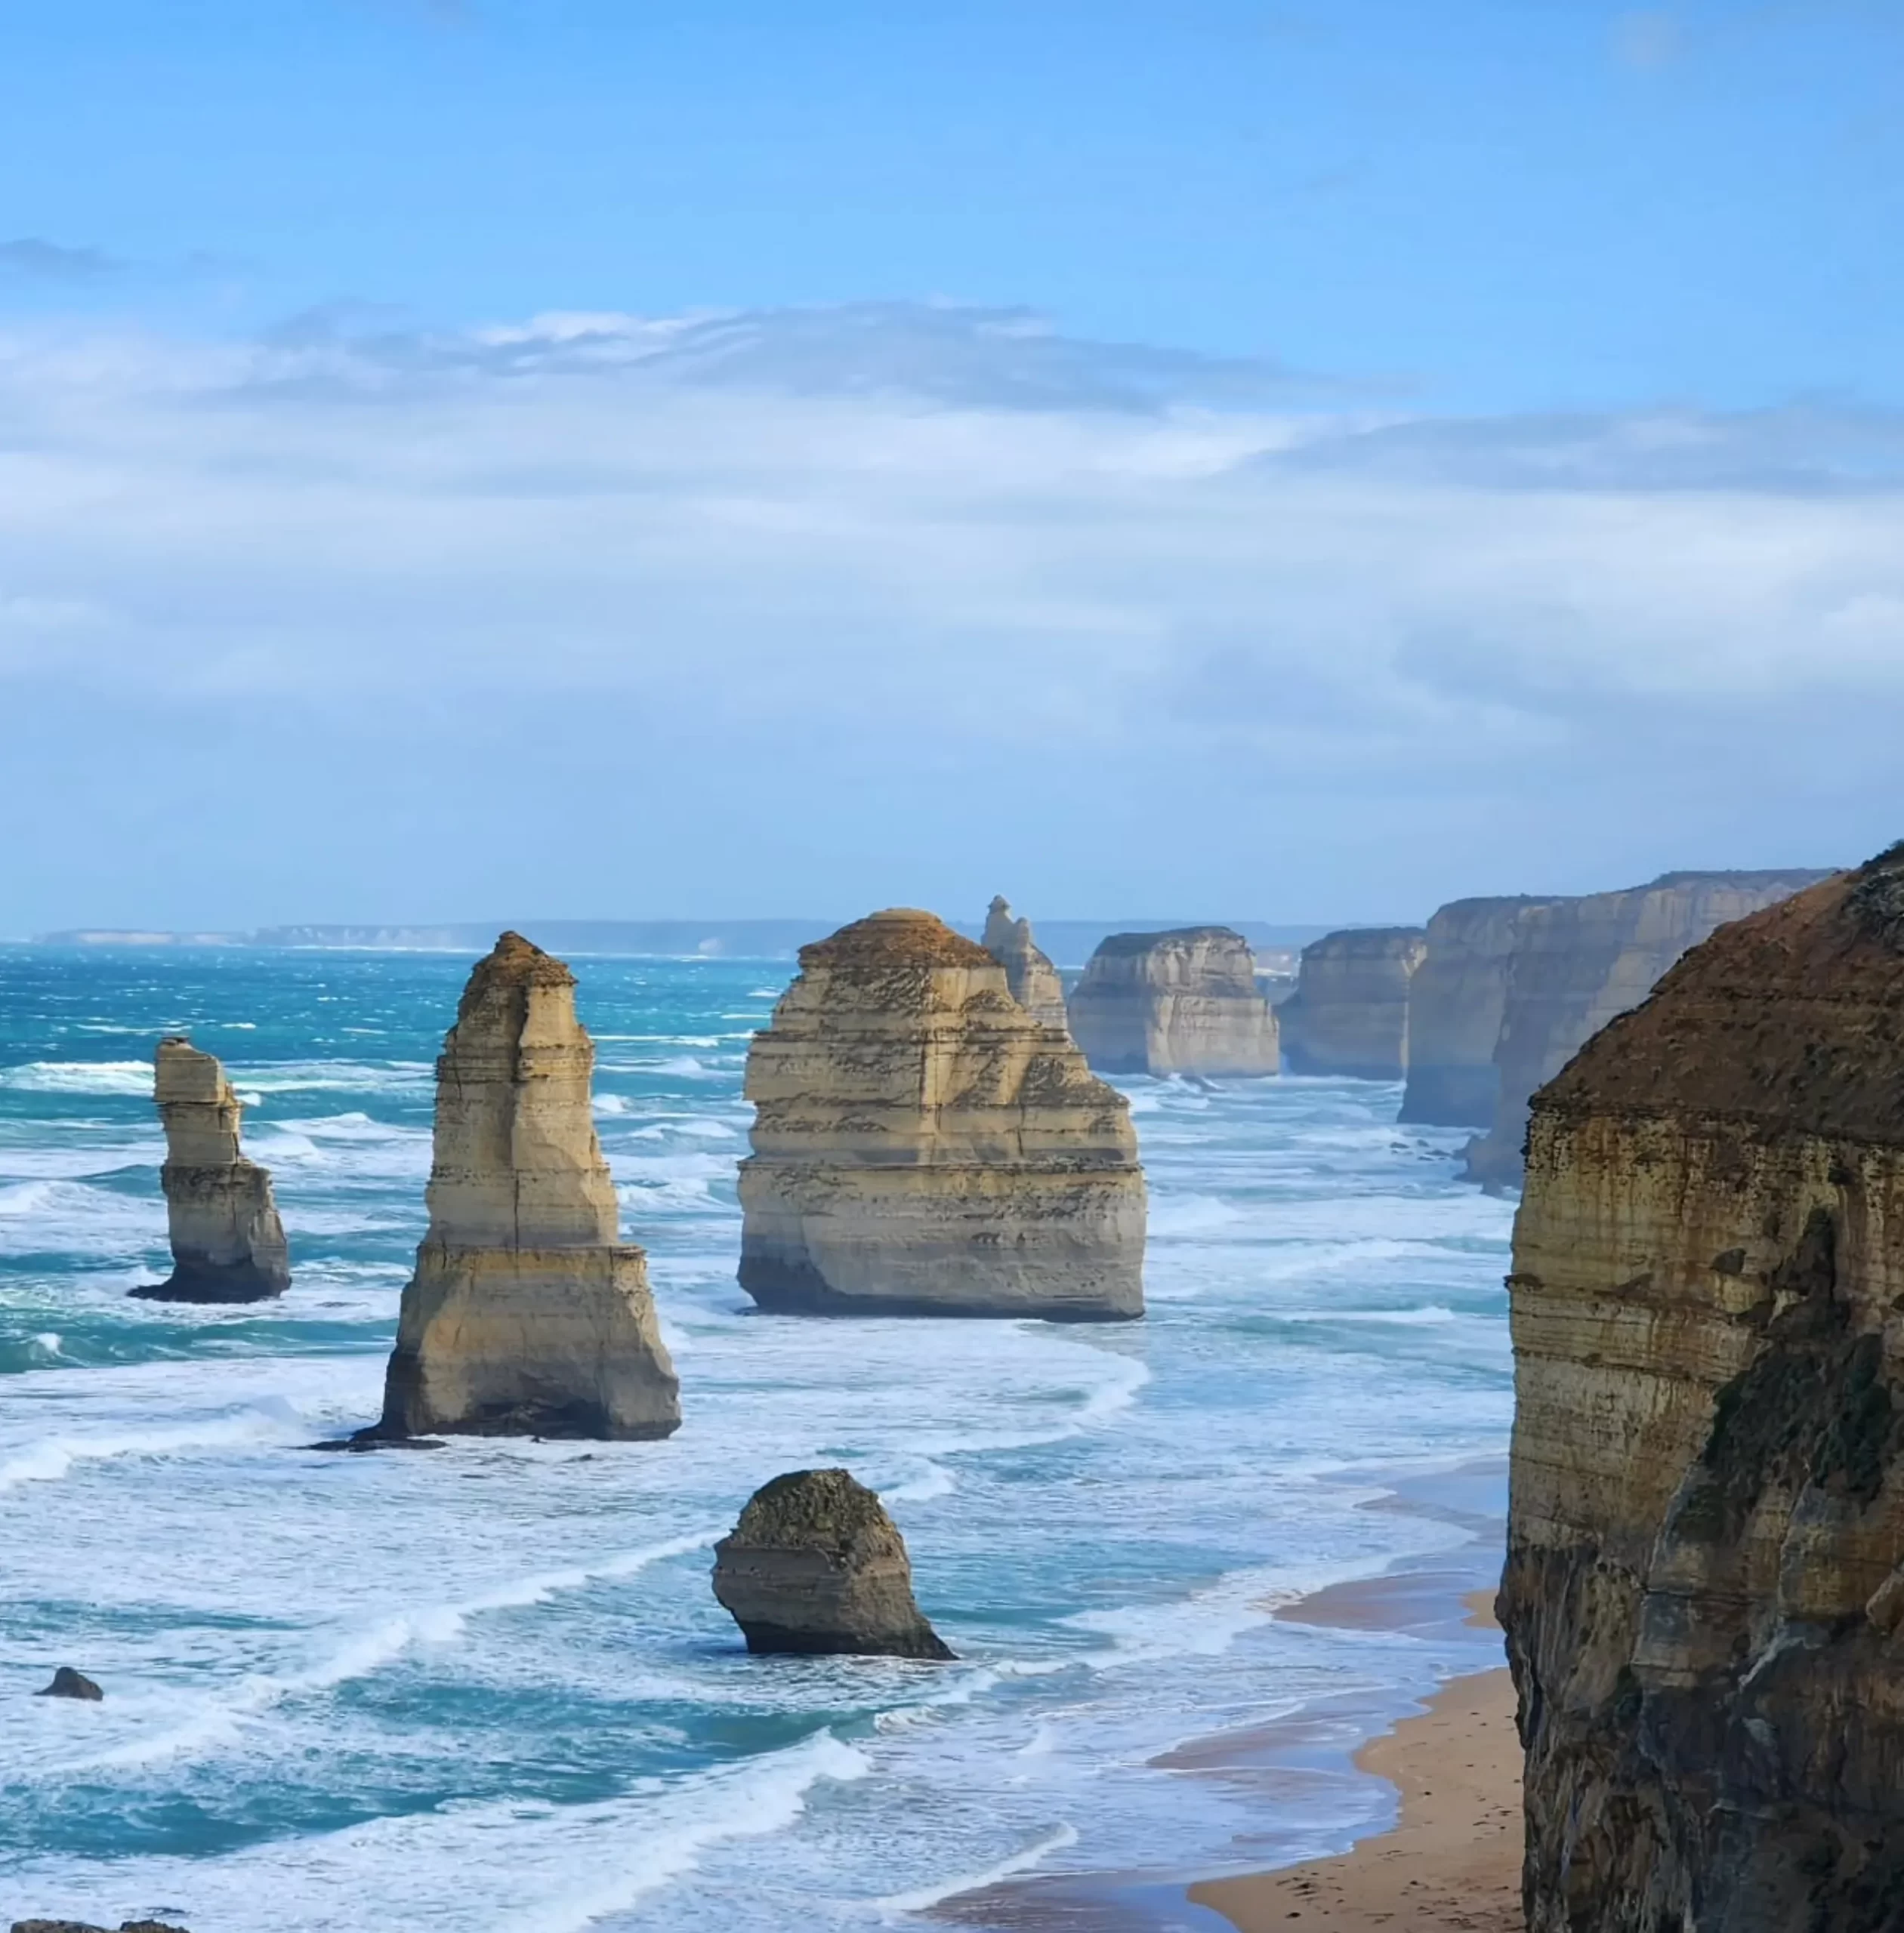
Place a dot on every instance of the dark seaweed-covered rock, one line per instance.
(68, 1683)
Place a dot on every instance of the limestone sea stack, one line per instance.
(227, 1242)
(527, 1314)
(1578, 962)
(922, 1146)
(1185, 1002)
(816, 1567)
(1350, 1012)
(1704, 1597)
(1033, 980)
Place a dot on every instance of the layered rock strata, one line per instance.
(1578, 962)
(227, 1242)
(1349, 1015)
(1704, 1596)
(527, 1314)
(1033, 980)
(816, 1566)
(922, 1146)
(1184, 1002)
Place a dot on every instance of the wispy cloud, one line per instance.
(29, 257)
(1647, 39)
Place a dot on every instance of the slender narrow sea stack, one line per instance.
(527, 1316)
(227, 1242)
(1174, 1002)
(1033, 979)
(922, 1146)
(1350, 1012)
(1704, 1597)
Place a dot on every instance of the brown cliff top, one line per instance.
(900, 936)
(1115, 945)
(515, 962)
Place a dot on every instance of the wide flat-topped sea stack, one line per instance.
(1185, 1002)
(1349, 1015)
(527, 1314)
(227, 1242)
(1033, 980)
(1704, 1597)
(922, 1146)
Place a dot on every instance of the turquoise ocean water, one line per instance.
(487, 1689)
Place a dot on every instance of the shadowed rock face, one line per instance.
(1350, 1012)
(1704, 1596)
(68, 1683)
(1033, 980)
(527, 1316)
(815, 1566)
(227, 1242)
(1174, 1002)
(923, 1145)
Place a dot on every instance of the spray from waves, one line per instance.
(48, 1461)
(928, 1897)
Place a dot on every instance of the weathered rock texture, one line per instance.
(68, 1683)
(1033, 980)
(1174, 1002)
(816, 1566)
(527, 1316)
(227, 1242)
(923, 1146)
(1579, 962)
(1350, 1012)
(1704, 1597)
(1456, 1004)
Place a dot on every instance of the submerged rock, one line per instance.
(1033, 980)
(1350, 1012)
(1705, 1558)
(815, 1566)
(227, 1242)
(923, 1146)
(527, 1316)
(68, 1683)
(1184, 1002)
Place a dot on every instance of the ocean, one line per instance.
(488, 1690)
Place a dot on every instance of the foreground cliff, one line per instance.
(1033, 980)
(227, 1242)
(527, 1316)
(923, 1145)
(1184, 1002)
(1578, 962)
(1704, 1597)
(1350, 1012)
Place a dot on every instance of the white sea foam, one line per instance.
(80, 1076)
(57, 1456)
(1033, 1855)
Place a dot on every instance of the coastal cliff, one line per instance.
(1350, 1012)
(527, 1315)
(1033, 980)
(1704, 1596)
(1184, 1002)
(923, 1145)
(227, 1242)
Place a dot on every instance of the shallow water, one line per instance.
(488, 1689)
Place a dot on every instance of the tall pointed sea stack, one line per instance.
(1704, 1598)
(1033, 979)
(1184, 1002)
(527, 1316)
(923, 1146)
(227, 1242)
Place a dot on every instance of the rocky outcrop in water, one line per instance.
(79, 1926)
(1578, 962)
(923, 1146)
(1033, 980)
(527, 1314)
(1704, 1597)
(68, 1683)
(816, 1567)
(227, 1242)
(1350, 1012)
(1174, 1002)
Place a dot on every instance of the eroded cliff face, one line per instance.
(227, 1242)
(1174, 1002)
(923, 1145)
(1350, 1012)
(1704, 1597)
(1578, 962)
(1033, 980)
(527, 1316)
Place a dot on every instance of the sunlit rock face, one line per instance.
(1185, 1002)
(1704, 1596)
(527, 1314)
(1033, 980)
(922, 1144)
(1350, 1012)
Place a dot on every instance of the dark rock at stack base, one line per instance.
(68, 1683)
(86, 1926)
(816, 1567)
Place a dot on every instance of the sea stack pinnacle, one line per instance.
(527, 1316)
(1033, 980)
(922, 1146)
(227, 1242)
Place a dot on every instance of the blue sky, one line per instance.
(1206, 457)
